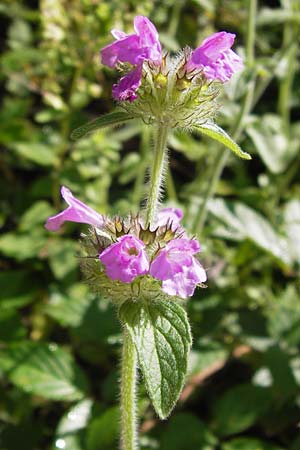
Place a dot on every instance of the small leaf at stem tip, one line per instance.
(161, 333)
(114, 118)
(218, 134)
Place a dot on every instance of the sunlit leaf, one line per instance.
(213, 131)
(271, 142)
(243, 222)
(68, 435)
(43, 369)
(249, 443)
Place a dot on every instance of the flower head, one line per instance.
(177, 267)
(118, 250)
(179, 91)
(134, 49)
(76, 212)
(215, 57)
(126, 259)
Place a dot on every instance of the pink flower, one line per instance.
(172, 218)
(135, 48)
(128, 85)
(178, 269)
(216, 58)
(126, 259)
(76, 212)
(169, 215)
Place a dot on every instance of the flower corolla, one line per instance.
(126, 259)
(178, 268)
(134, 49)
(215, 57)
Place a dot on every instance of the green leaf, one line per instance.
(130, 166)
(284, 317)
(275, 16)
(22, 246)
(103, 431)
(161, 333)
(92, 318)
(11, 327)
(62, 256)
(55, 101)
(37, 152)
(17, 289)
(68, 307)
(114, 118)
(218, 134)
(43, 369)
(270, 141)
(188, 145)
(243, 222)
(70, 430)
(248, 443)
(205, 354)
(292, 228)
(240, 408)
(35, 215)
(283, 380)
(199, 434)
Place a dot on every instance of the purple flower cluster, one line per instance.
(213, 57)
(134, 49)
(175, 264)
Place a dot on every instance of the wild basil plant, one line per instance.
(146, 264)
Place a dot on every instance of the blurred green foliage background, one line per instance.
(59, 343)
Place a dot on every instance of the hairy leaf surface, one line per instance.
(161, 334)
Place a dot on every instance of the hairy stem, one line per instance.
(222, 156)
(157, 172)
(128, 395)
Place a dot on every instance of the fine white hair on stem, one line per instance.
(157, 174)
(161, 182)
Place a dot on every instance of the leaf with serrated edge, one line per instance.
(114, 118)
(43, 369)
(161, 333)
(218, 134)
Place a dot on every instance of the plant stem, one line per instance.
(128, 395)
(222, 156)
(157, 172)
(175, 17)
(250, 36)
(290, 33)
